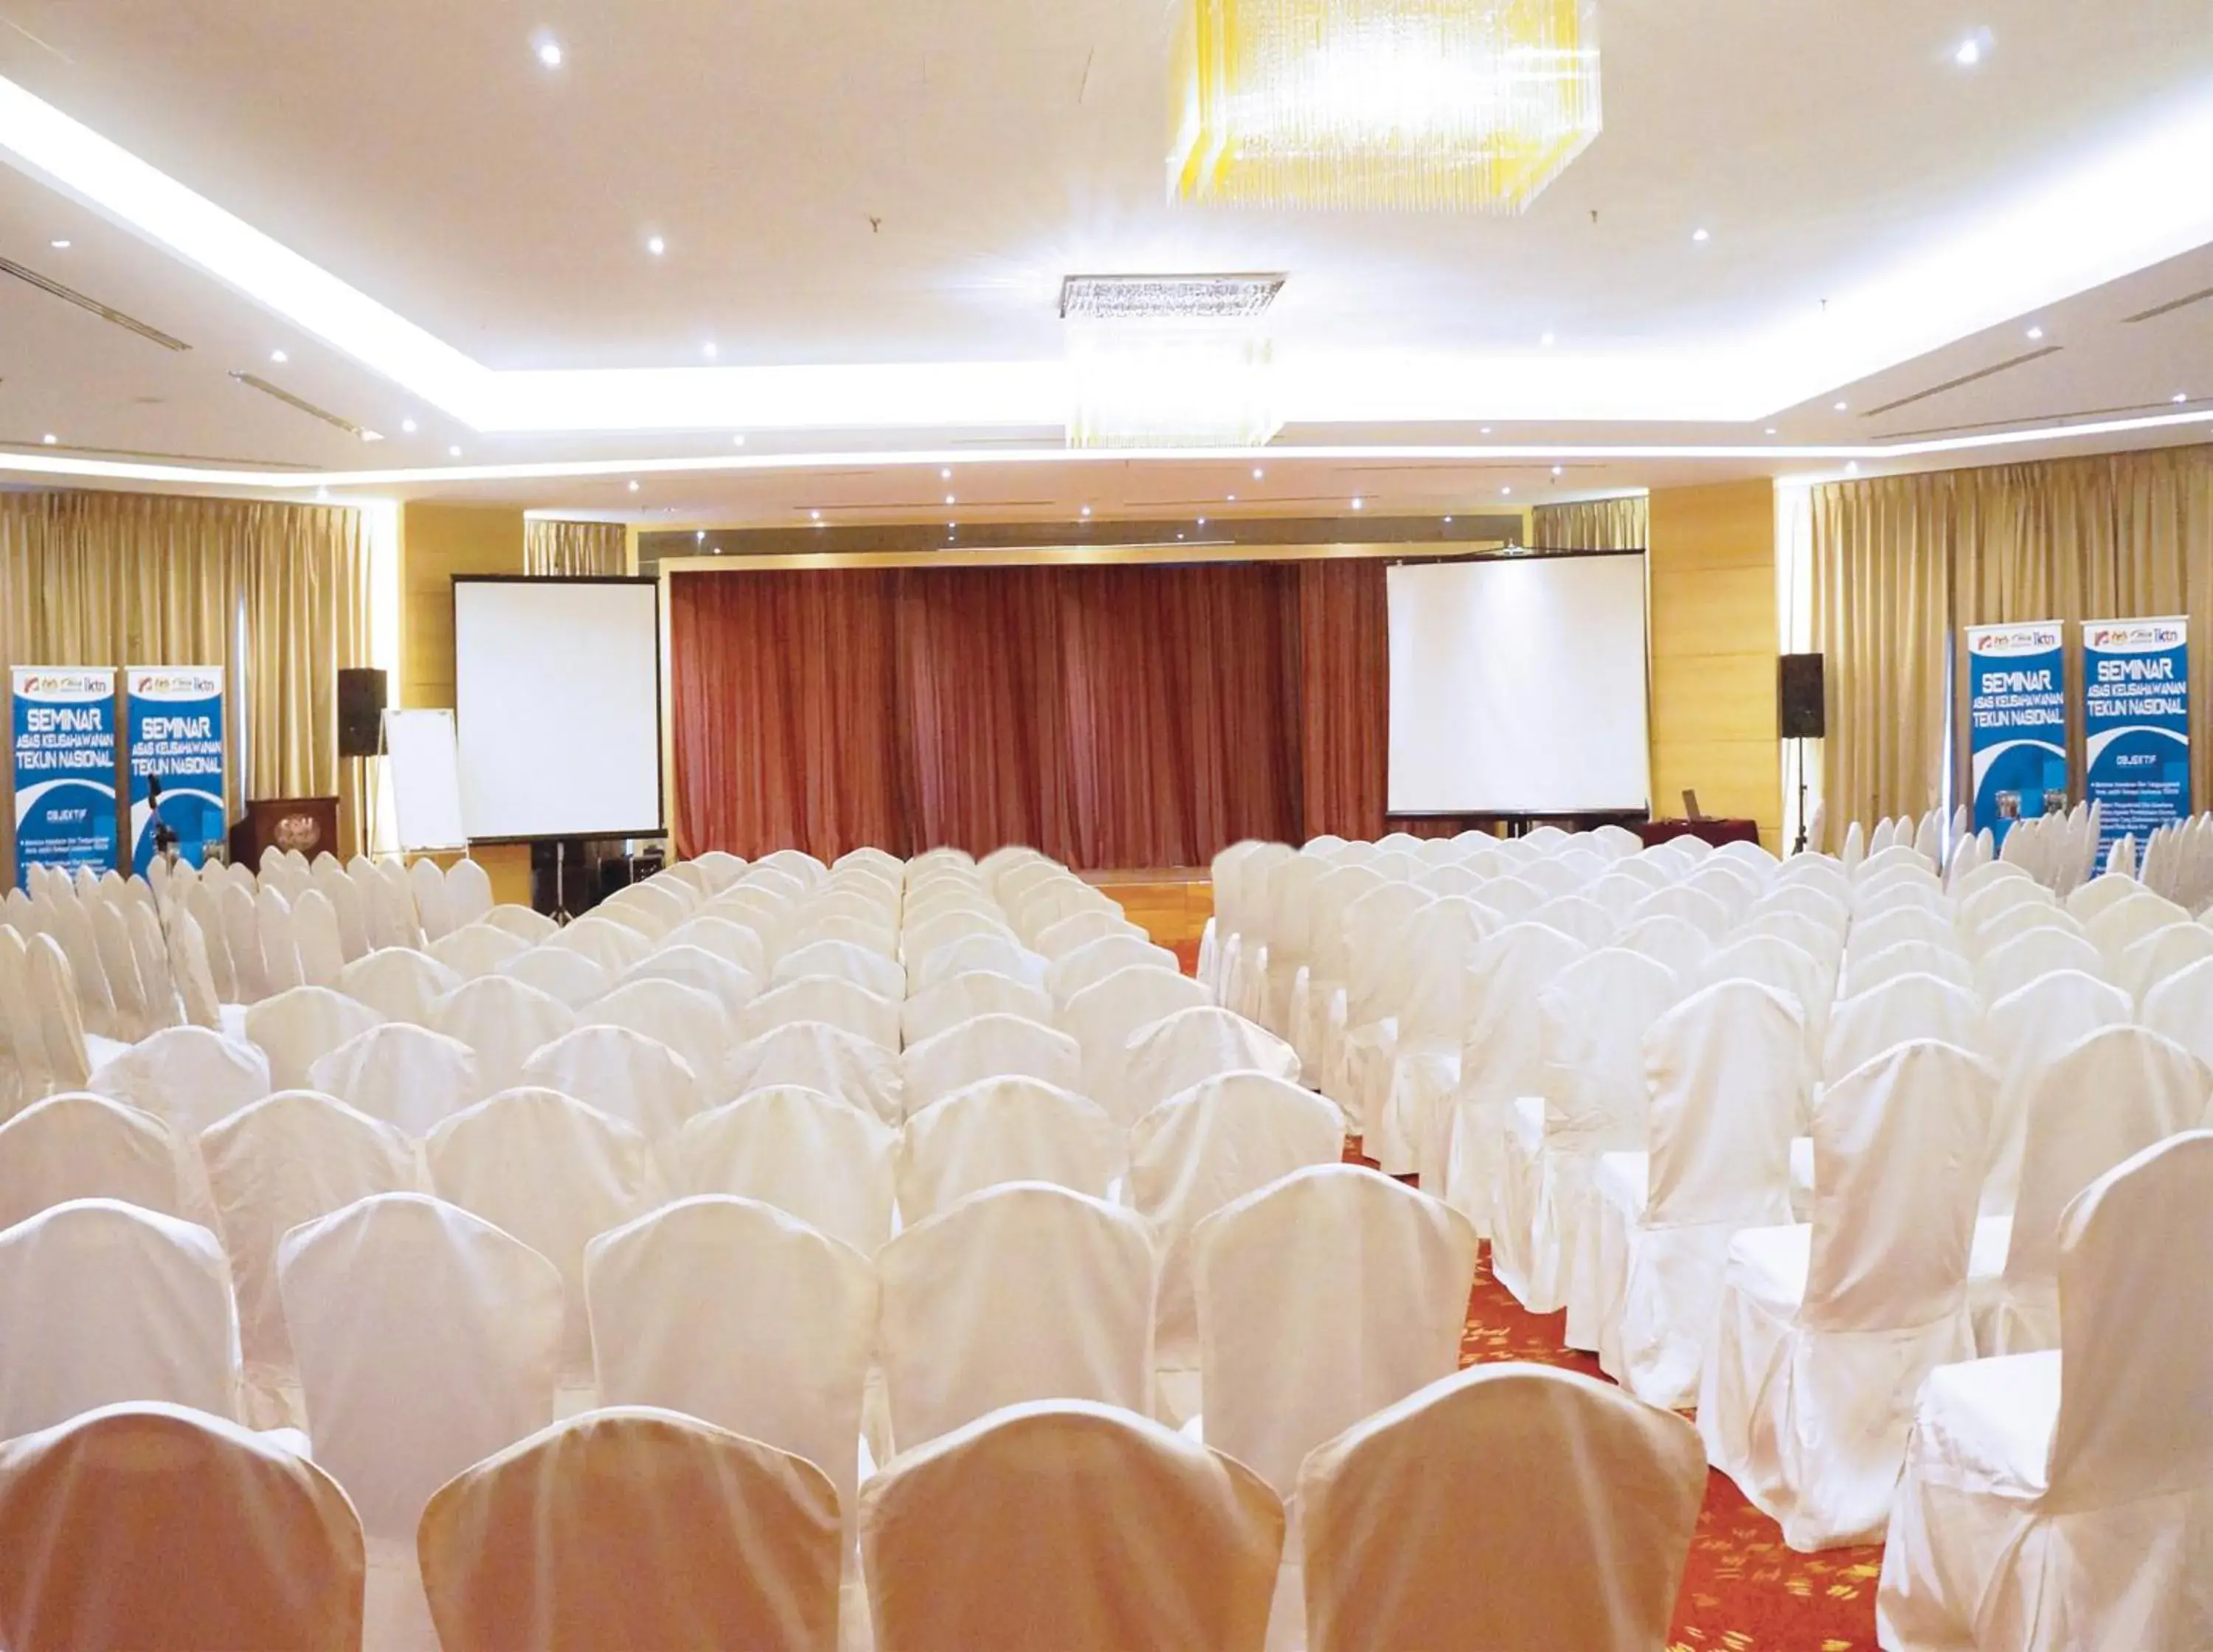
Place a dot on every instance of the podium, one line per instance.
(309, 825)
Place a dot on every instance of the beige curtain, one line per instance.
(1591, 524)
(573, 548)
(1903, 564)
(275, 594)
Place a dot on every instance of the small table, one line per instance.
(1714, 831)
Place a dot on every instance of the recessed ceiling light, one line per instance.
(372, 436)
(655, 244)
(700, 537)
(453, 453)
(60, 246)
(737, 442)
(1359, 504)
(549, 53)
(708, 350)
(633, 487)
(1179, 536)
(2181, 396)
(1546, 341)
(1233, 498)
(1842, 405)
(1851, 468)
(1700, 234)
(1969, 54)
(49, 438)
(408, 425)
(1447, 522)
(949, 499)
(1486, 429)
(1770, 430)
(1555, 470)
(2036, 332)
(278, 357)
(816, 514)
(1202, 521)
(1087, 510)
(1506, 491)
(1257, 473)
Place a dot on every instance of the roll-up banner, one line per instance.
(64, 731)
(2136, 724)
(2016, 723)
(173, 723)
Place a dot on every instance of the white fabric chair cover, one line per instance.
(1827, 1329)
(991, 951)
(1897, 924)
(1063, 935)
(1727, 1076)
(79, 1146)
(1086, 965)
(296, 1029)
(188, 1074)
(328, 878)
(1006, 1130)
(118, 966)
(505, 1021)
(844, 1004)
(241, 937)
(976, 1308)
(622, 1074)
(1123, 1534)
(1904, 1007)
(552, 1172)
(828, 1163)
(1104, 1016)
(613, 946)
(468, 893)
(2114, 930)
(819, 1056)
(480, 949)
(2029, 1029)
(651, 909)
(690, 1022)
(740, 1314)
(1417, 1065)
(2111, 1094)
(560, 973)
(54, 1006)
(2021, 958)
(159, 1527)
(388, 900)
(730, 984)
(287, 1160)
(2060, 1500)
(634, 1528)
(1503, 1505)
(1864, 972)
(732, 943)
(1170, 1055)
(928, 929)
(280, 946)
(106, 1303)
(1366, 1279)
(427, 1340)
(846, 962)
(986, 1046)
(1675, 943)
(2160, 955)
(530, 926)
(194, 974)
(427, 885)
(404, 1075)
(978, 992)
(1591, 1019)
(317, 942)
(399, 982)
(1200, 1149)
(2181, 1007)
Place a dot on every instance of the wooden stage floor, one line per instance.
(1170, 903)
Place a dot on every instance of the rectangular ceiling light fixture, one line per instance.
(1167, 297)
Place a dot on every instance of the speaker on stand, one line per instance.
(1801, 713)
(360, 740)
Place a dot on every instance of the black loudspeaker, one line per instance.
(1800, 701)
(360, 711)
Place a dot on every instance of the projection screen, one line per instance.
(1517, 686)
(557, 687)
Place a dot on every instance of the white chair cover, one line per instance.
(329, 879)
(833, 999)
(166, 1529)
(828, 1163)
(505, 1021)
(1006, 1130)
(978, 992)
(479, 948)
(730, 984)
(188, 1074)
(844, 961)
(2181, 1007)
(530, 926)
(241, 935)
(740, 1314)
(427, 885)
(389, 902)
(118, 965)
(1904, 1007)
(318, 942)
(2060, 1500)
(819, 1056)
(1063, 935)
(561, 972)
(405, 1074)
(1727, 1077)
(1123, 1535)
(54, 1005)
(194, 974)
(2160, 955)
(1504, 1506)
(2028, 1029)
(986, 1046)
(79, 1146)
(127, 1304)
(280, 945)
(1093, 962)
(732, 943)
(976, 1308)
(1104, 1015)
(1366, 1279)
(991, 951)
(690, 1022)
(625, 1075)
(1864, 972)
(399, 982)
(1827, 1330)
(284, 1161)
(1170, 1055)
(296, 1029)
(468, 893)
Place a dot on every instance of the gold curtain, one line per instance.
(1903, 564)
(572, 548)
(275, 594)
(1592, 525)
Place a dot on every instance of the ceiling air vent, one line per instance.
(106, 313)
(2169, 307)
(2005, 366)
(255, 381)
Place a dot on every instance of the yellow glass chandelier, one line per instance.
(1427, 105)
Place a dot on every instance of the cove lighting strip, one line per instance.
(2128, 208)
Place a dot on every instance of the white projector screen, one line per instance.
(557, 685)
(1517, 686)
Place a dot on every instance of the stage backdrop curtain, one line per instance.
(1124, 715)
(275, 594)
(1592, 525)
(558, 549)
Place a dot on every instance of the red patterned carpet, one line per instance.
(1744, 1591)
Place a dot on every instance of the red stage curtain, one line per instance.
(1123, 716)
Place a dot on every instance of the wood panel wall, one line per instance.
(1713, 622)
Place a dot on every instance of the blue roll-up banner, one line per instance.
(173, 720)
(64, 728)
(2136, 724)
(2016, 723)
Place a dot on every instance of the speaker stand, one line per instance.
(1801, 848)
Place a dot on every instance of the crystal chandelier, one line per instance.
(1427, 105)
